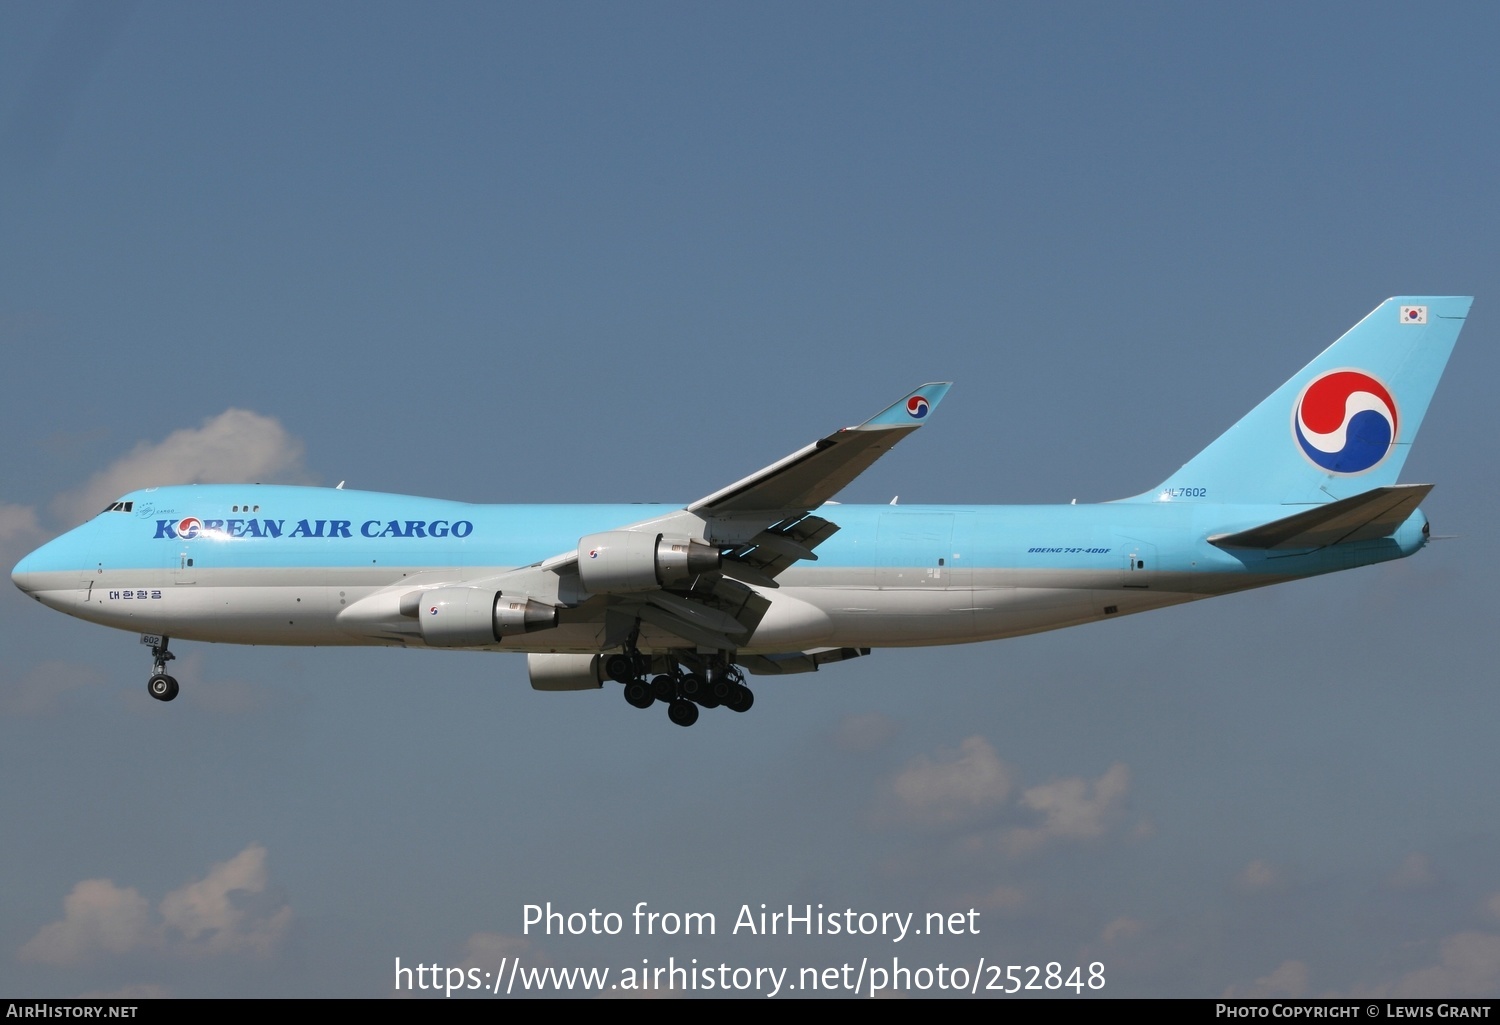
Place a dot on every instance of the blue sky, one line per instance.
(589, 252)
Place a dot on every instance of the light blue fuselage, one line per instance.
(264, 564)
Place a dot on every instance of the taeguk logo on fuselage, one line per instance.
(1345, 421)
(188, 528)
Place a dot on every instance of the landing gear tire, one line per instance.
(162, 687)
(683, 713)
(740, 698)
(664, 688)
(693, 687)
(620, 668)
(639, 694)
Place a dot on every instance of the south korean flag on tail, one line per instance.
(1413, 314)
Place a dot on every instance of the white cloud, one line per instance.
(970, 793)
(40, 691)
(19, 532)
(211, 916)
(235, 446)
(1492, 904)
(133, 991)
(1260, 877)
(956, 788)
(490, 951)
(1290, 979)
(866, 732)
(1072, 809)
(17, 522)
(1002, 899)
(1415, 873)
(1122, 928)
(98, 917)
(1468, 966)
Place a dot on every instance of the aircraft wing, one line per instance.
(811, 476)
(744, 535)
(763, 522)
(759, 524)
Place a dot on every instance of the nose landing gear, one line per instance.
(161, 686)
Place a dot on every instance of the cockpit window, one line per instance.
(118, 507)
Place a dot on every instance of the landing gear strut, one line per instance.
(161, 686)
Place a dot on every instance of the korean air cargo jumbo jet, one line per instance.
(769, 575)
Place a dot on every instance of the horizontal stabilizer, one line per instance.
(1367, 517)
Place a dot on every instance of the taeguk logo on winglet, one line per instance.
(1345, 421)
(917, 407)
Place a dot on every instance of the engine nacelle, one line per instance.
(622, 561)
(518, 614)
(565, 672)
(473, 617)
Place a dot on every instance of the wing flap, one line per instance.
(705, 616)
(719, 613)
(1366, 517)
(797, 661)
(688, 631)
(778, 546)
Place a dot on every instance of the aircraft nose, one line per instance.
(26, 575)
(42, 570)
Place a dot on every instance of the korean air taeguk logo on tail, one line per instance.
(1345, 421)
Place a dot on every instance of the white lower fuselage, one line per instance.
(892, 576)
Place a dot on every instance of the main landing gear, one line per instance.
(161, 686)
(682, 688)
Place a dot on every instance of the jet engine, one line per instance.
(472, 617)
(565, 672)
(622, 561)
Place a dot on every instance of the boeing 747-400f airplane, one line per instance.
(768, 575)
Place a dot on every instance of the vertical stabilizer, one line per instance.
(1342, 425)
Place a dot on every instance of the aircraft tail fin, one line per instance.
(1342, 425)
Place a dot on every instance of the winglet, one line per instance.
(807, 478)
(911, 411)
